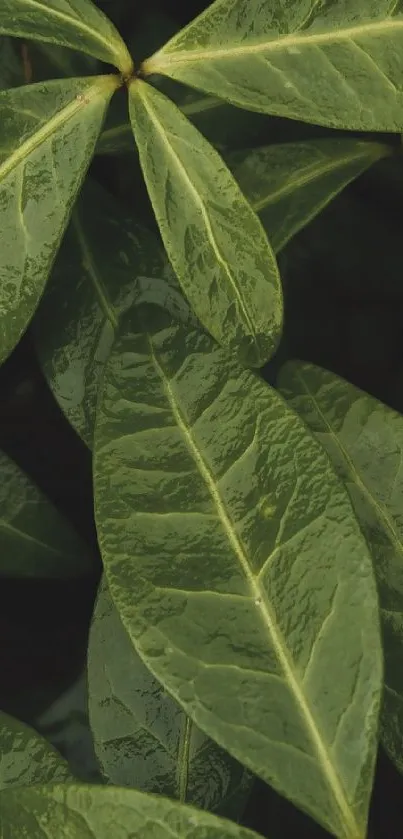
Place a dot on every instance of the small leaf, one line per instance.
(332, 63)
(143, 739)
(73, 811)
(106, 262)
(237, 566)
(26, 758)
(289, 184)
(364, 440)
(213, 238)
(77, 24)
(49, 131)
(35, 540)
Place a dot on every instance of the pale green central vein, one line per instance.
(164, 59)
(89, 264)
(183, 760)
(20, 534)
(203, 210)
(260, 599)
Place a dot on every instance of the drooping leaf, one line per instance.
(73, 811)
(289, 184)
(35, 540)
(143, 739)
(71, 23)
(332, 63)
(237, 566)
(364, 440)
(106, 262)
(213, 238)
(49, 131)
(11, 68)
(26, 758)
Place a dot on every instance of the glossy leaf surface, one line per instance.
(143, 739)
(106, 262)
(237, 566)
(214, 240)
(26, 758)
(96, 812)
(71, 23)
(35, 540)
(49, 131)
(290, 183)
(331, 63)
(364, 440)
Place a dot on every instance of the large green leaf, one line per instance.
(290, 183)
(49, 131)
(142, 737)
(332, 63)
(95, 812)
(35, 540)
(237, 566)
(105, 263)
(213, 238)
(364, 440)
(26, 758)
(71, 23)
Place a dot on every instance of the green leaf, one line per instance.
(289, 184)
(55, 62)
(35, 540)
(95, 812)
(106, 262)
(213, 238)
(364, 440)
(11, 69)
(142, 737)
(49, 131)
(26, 758)
(237, 566)
(70, 23)
(331, 63)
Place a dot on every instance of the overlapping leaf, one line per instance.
(11, 67)
(49, 131)
(332, 63)
(214, 240)
(71, 23)
(26, 758)
(35, 540)
(97, 812)
(364, 440)
(105, 263)
(237, 566)
(143, 739)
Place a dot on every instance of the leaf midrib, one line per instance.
(164, 58)
(259, 596)
(21, 534)
(89, 264)
(200, 203)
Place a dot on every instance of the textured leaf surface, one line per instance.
(332, 63)
(237, 566)
(71, 23)
(26, 758)
(35, 540)
(290, 183)
(49, 131)
(143, 739)
(97, 812)
(105, 263)
(214, 240)
(364, 440)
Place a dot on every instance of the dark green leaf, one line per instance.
(213, 238)
(26, 758)
(35, 540)
(71, 23)
(55, 62)
(333, 63)
(49, 131)
(143, 739)
(364, 440)
(95, 812)
(11, 69)
(237, 566)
